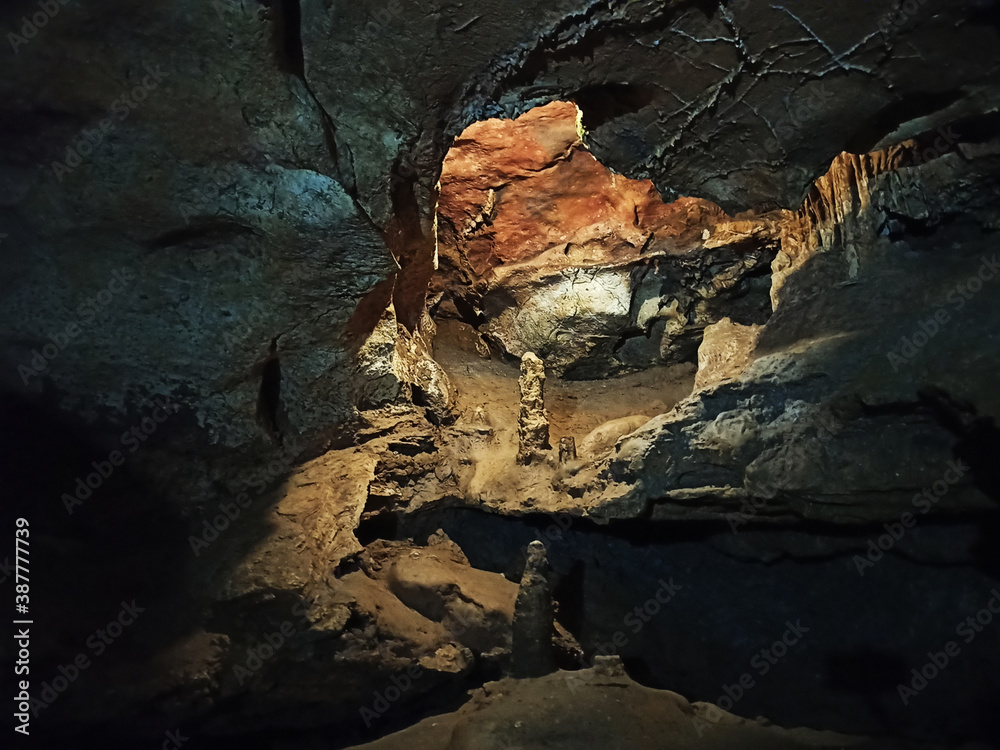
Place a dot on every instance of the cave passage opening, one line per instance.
(539, 247)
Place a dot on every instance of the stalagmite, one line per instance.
(532, 422)
(567, 449)
(531, 649)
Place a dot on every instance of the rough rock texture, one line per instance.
(837, 419)
(604, 437)
(253, 240)
(395, 366)
(287, 162)
(567, 449)
(217, 191)
(602, 707)
(591, 270)
(532, 422)
(533, 625)
(724, 352)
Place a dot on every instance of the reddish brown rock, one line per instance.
(568, 259)
(515, 190)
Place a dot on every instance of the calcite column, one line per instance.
(532, 422)
(534, 618)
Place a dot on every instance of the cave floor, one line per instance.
(575, 407)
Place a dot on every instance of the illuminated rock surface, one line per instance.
(616, 179)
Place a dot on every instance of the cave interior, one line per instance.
(473, 376)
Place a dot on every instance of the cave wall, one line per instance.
(273, 192)
(282, 153)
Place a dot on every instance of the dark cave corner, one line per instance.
(287, 19)
(269, 409)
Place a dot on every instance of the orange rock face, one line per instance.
(555, 254)
(513, 191)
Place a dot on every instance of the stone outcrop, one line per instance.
(604, 437)
(603, 707)
(567, 449)
(724, 352)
